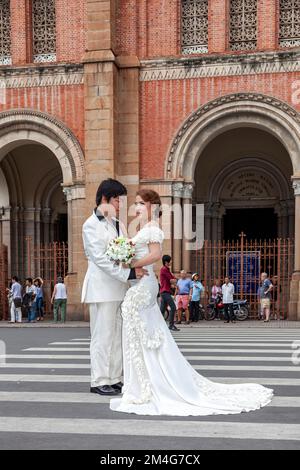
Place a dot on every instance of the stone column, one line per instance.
(127, 118)
(282, 210)
(75, 196)
(29, 221)
(100, 77)
(208, 221)
(294, 304)
(17, 242)
(166, 219)
(291, 218)
(216, 221)
(187, 225)
(46, 220)
(177, 192)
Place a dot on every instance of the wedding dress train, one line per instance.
(158, 380)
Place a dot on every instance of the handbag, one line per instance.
(18, 302)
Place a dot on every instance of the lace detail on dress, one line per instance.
(246, 396)
(137, 335)
(149, 234)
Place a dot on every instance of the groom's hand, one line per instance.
(140, 272)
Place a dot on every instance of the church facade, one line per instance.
(197, 99)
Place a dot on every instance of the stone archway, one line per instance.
(27, 128)
(240, 110)
(26, 125)
(231, 112)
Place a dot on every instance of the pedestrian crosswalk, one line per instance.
(44, 390)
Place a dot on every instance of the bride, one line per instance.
(158, 380)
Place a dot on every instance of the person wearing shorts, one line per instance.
(183, 297)
(265, 296)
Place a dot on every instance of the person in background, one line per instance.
(265, 296)
(227, 294)
(166, 281)
(184, 285)
(39, 304)
(216, 290)
(195, 296)
(15, 300)
(29, 300)
(59, 299)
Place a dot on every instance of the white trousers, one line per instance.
(106, 343)
(15, 313)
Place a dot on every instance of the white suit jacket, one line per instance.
(104, 281)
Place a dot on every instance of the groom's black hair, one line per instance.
(110, 188)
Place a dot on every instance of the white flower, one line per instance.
(120, 250)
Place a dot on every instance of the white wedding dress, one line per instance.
(158, 380)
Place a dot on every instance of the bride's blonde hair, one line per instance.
(148, 195)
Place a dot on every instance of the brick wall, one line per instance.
(70, 27)
(64, 102)
(70, 31)
(164, 105)
(151, 28)
(148, 28)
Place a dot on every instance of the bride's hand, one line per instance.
(132, 264)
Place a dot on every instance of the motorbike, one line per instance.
(215, 310)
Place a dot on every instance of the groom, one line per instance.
(104, 288)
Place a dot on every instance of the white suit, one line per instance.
(104, 288)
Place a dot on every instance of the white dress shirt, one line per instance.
(227, 293)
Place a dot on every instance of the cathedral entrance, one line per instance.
(238, 157)
(243, 178)
(33, 204)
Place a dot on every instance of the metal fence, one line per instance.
(48, 261)
(243, 261)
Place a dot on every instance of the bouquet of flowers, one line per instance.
(120, 250)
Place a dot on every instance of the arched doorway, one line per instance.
(243, 177)
(36, 206)
(227, 133)
(43, 193)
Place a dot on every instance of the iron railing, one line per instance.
(243, 261)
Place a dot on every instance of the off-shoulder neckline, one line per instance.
(150, 225)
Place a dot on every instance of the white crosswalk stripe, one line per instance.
(41, 365)
(62, 378)
(60, 397)
(152, 428)
(243, 355)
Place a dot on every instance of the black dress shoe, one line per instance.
(118, 386)
(173, 328)
(104, 390)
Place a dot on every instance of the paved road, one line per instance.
(45, 404)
